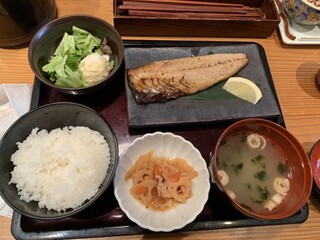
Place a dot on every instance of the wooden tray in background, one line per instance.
(204, 27)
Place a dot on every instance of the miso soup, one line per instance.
(256, 171)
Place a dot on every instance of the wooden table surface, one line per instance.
(293, 70)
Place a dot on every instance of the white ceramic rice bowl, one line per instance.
(171, 146)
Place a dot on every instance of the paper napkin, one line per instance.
(14, 102)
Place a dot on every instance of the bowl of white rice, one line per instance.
(57, 160)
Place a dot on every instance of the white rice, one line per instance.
(60, 169)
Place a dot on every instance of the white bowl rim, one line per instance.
(310, 4)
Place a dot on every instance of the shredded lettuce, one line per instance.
(55, 67)
(111, 65)
(73, 79)
(67, 46)
(84, 41)
(63, 66)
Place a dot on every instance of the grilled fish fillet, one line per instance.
(163, 80)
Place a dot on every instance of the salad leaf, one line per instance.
(63, 67)
(73, 61)
(66, 46)
(73, 79)
(84, 41)
(55, 67)
(111, 65)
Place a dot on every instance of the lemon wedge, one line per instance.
(243, 88)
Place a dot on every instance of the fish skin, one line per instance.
(165, 80)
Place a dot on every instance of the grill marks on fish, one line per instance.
(164, 80)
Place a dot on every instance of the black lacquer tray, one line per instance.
(104, 218)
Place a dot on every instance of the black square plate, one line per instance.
(184, 110)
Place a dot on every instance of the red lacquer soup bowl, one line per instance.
(249, 173)
(315, 164)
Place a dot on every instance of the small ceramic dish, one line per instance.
(318, 79)
(170, 146)
(315, 165)
(43, 46)
(302, 11)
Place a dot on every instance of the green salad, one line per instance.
(80, 60)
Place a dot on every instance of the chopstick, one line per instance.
(165, 14)
(188, 2)
(187, 9)
(309, 38)
(131, 5)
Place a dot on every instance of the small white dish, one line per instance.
(170, 146)
(305, 35)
